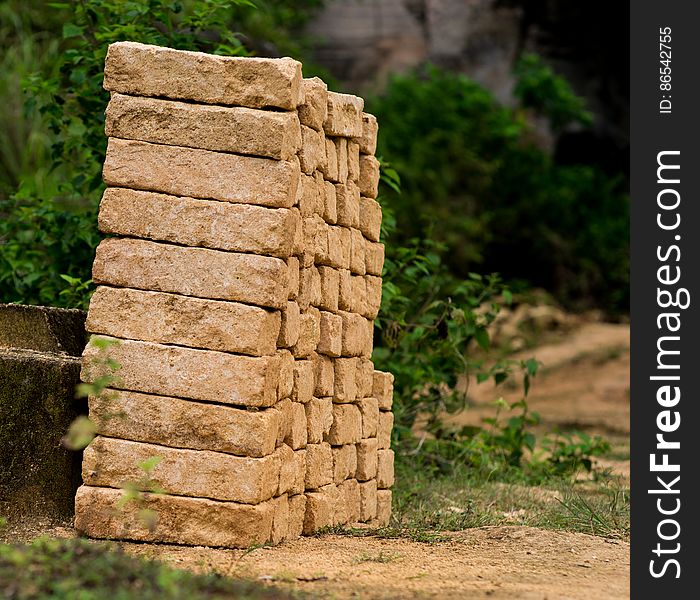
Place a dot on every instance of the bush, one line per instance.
(475, 180)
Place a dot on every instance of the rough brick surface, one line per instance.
(344, 115)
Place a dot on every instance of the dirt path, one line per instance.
(491, 562)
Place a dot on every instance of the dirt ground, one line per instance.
(584, 383)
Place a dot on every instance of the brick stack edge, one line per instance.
(242, 279)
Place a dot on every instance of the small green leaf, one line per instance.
(70, 31)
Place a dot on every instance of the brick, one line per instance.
(330, 203)
(287, 474)
(201, 173)
(370, 218)
(345, 298)
(348, 204)
(350, 489)
(310, 200)
(293, 275)
(284, 409)
(304, 382)
(319, 465)
(286, 377)
(198, 272)
(272, 134)
(383, 507)
(369, 409)
(319, 509)
(188, 373)
(373, 286)
(297, 433)
(365, 378)
(368, 500)
(289, 328)
(180, 520)
(330, 169)
(185, 424)
(344, 115)
(344, 462)
(369, 176)
(357, 252)
(314, 110)
(280, 519)
(385, 468)
(297, 511)
(345, 388)
(186, 321)
(374, 258)
(356, 330)
(340, 510)
(353, 161)
(338, 247)
(195, 222)
(359, 296)
(347, 425)
(368, 138)
(299, 484)
(309, 287)
(314, 242)
(309, 334)
(324, 375)
(366, 459)
(319, 419)
(331, 341)
(330, 288)
(383, 389)
(109, 462)
(145, 70)
(341, 152)
(312, 155)
(384, 427)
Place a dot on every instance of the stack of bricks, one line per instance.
(241, 283)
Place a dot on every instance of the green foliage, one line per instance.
(475, 180)
(78, 569)
(47, 227)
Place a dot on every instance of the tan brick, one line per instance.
(365, 378)
(370, 218)
(280, 519)
(356, 331)
(195, 222)
(289, 329)
(374, 258)
(330, 169)
(196, 272)
(310, 200)
(351, 491)
(319, 509)
(297, 433)
(324, 375)
(297, 511)
(309, 287)
(368, 326)
(340, 510)
(312, 155)
(330, 207)
(348, 204)
(185, 424)
(284, 409)
(357, 252)
(344, 462)
(344, 115)
(359, 295)
(314, 110)
(201, 173)
(345, 388)
(347, 425)
(315, 244)
(345, 297)
(319, 465)
(383, 507)
(286, 376)
(309, 334)
(274, 134)
(331, 340)
(180, 520)
(338, 247)
(330, 288)
(368, 139)
(287, 475)
(145, 70)
(319, 419)
(109, 462)
(383, 389)
(385, 468)
(304, 381)
(186, 321)
(366, 459)
(369, 409)
(299, 484)
(353, 161)
(341, 152)
(369, 176)
(373, 286)
(384, 427)
(188, 373)
(368, 500)
(293, 275)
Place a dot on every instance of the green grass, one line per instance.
(79, 570)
